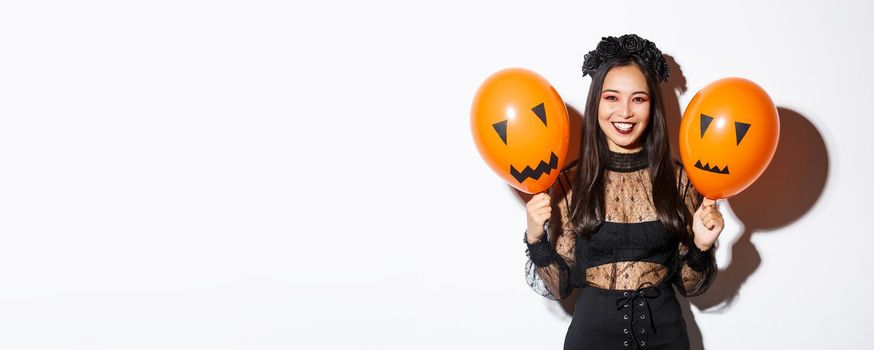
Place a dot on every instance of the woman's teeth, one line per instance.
(623, 127)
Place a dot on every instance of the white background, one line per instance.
(267, 175)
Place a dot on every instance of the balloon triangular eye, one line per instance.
(741, 130)
(705, 122)
(501, 129)
(541, 112)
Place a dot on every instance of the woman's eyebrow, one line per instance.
(617, 91)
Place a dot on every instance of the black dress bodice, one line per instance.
(646, 241)
(630, 248)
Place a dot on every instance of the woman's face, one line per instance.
(623, 112)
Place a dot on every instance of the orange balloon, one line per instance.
(728, 135)
(521, 128)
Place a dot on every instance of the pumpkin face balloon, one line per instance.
(520, 126)
(728, 135)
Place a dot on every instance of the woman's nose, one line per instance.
(625, 112)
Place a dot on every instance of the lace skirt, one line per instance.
(647, 318)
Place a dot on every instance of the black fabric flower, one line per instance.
(632, 43)
(590, 63)
(608, 48)
(627, 45)
(664, 71)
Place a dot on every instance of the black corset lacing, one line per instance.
(638, 299)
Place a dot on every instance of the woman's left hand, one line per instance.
(707, 224)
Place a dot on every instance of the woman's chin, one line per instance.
(626, 142)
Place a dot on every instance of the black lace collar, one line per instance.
(627, 162)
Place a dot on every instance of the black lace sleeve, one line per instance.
(550, 270)
(697, 269)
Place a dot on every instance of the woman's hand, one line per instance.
(539, 210)
(707, 224)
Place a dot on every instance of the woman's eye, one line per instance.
(639, 99)
(610, 98)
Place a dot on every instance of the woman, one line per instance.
(631, 225)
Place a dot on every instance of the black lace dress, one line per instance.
(626, 269)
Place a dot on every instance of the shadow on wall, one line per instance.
(786, 191)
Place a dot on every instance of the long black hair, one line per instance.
(587, 207)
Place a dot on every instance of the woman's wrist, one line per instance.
(539, 250)
(534, 238)
(697, 258)
(535, 233)
(703, 247)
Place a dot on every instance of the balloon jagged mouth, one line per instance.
(713, 169)
(542, 168)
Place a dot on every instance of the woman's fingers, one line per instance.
(539, 208)
(710, 212)
(710, 224)
(539, 200)
(714, 222)
(708, 203)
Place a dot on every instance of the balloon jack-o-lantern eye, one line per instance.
(543, 167)
(740, 129)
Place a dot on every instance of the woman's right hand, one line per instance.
(539, 210)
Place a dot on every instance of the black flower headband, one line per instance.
(627, 45)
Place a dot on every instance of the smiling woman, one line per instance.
(623, 112)
(625, 231)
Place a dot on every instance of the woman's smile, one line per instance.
(623, 128)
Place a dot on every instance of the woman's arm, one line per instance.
(551, 264)
(697, 268)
